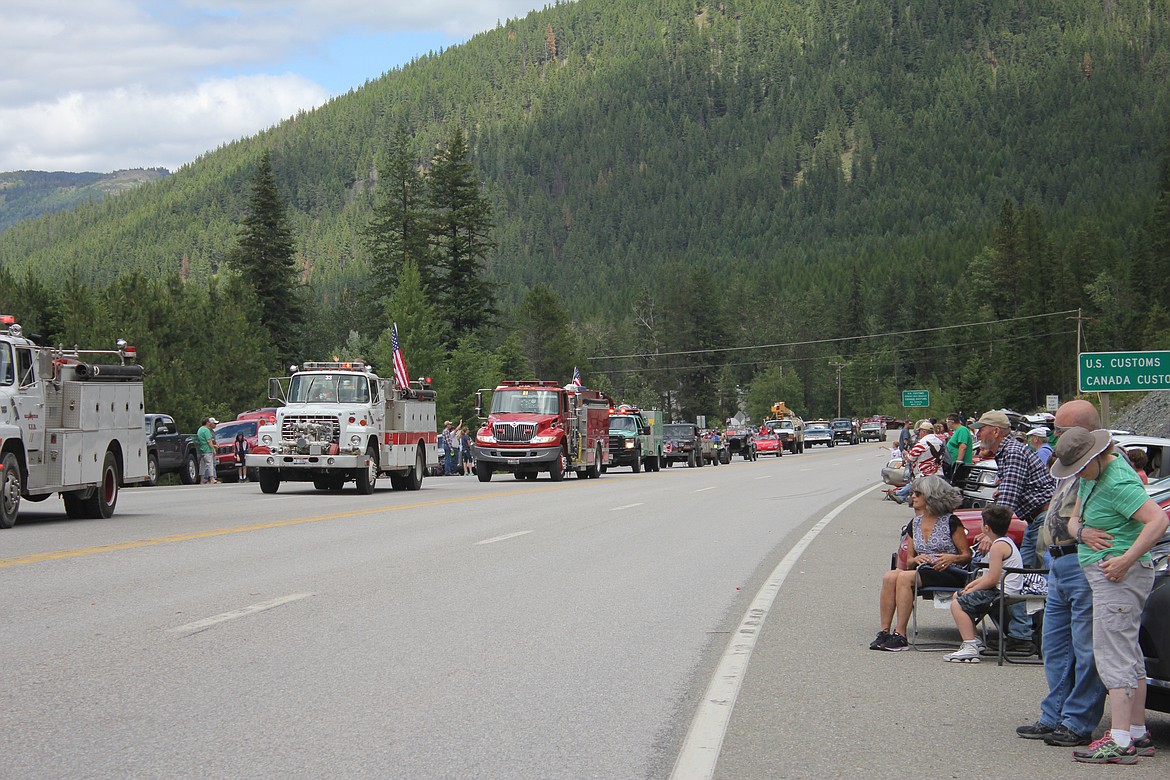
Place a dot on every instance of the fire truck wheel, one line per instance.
(556, 472)
(9, 491)
(598, 467)
(483, 472)
(190, 472)
(367, 478)
(414, 478)
(74, 505)
(637, 466)
(105, 496)
(269, 480)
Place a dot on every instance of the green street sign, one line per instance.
(915, 398)
(1119, 372)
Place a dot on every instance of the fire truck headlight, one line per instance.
(630, 444)
(485, 438)
(266, 439)
(355, 440)
(544, 439)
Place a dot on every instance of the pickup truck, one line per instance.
(169, 451)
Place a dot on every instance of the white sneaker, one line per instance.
(968, 653)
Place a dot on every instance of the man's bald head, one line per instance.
(1077, 414)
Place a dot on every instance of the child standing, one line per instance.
(976, 599)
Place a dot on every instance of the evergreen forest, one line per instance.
(706, 206)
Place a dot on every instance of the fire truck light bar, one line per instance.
(349, 365)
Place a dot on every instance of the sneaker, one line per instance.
(1106, 751)
(1144, 746)
(1063, 736)
(881, 638)
(968, 653)
(896, 643)
(1035, 730)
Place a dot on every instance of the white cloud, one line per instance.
(108, 84)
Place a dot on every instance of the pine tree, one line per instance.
(545, 336)
(397, 230)
(263, 256)
(460, 223)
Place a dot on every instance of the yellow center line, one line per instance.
(23, 560)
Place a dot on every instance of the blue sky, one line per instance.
(104, 85)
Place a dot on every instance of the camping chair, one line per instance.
(941, 598)
(1033, 603)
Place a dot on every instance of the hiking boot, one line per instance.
(1063, 736)
(1106, 751)
(881, 638)
(1144, 746)
(896, 643)
(1036, 730)
(968, 653)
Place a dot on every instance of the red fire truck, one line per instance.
(536, 426)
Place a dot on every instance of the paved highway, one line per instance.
(497, 630)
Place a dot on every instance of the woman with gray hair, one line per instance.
(937, 549)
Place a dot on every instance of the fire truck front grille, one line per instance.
(327, 428)
(514, 432)
(617, 443)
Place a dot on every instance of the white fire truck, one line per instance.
(341, 422)
(67, 425)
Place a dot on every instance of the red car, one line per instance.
(265, 414)
(973, 523)
(225, 442)
(769, 444)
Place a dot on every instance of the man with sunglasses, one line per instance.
(1076, 695)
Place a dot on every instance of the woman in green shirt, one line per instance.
(1110, 498)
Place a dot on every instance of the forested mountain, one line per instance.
(29, 194)
(693, 178)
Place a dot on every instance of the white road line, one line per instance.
(627, 506)
(700, 750)
(504, 537)
(769, 476)
(700, 490)
(263, 606)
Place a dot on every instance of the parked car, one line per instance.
(972, 523)
(873, 430)
(225, 443)
(818, 432)
(769, 444)
(844, 430)
(266, 414)
(1157, 452)
(168, 451)
(894, 472)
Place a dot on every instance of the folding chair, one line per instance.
(941, 598)
(1033, 603)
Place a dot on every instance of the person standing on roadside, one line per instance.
(1076, 696)
(959, 451)
(1120, 572)
(1038, 441)
(205, 440)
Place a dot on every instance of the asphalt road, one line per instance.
(513, 629)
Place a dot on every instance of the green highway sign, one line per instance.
(916, 398)
(1113, 372)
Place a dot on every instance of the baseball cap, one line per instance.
(1041, 431)
(996, 419)
(213, 421)
(925, 425)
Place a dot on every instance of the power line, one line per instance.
(648, 369)
(834, 340)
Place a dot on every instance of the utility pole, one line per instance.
(838, 366)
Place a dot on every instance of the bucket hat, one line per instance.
(1075, 449)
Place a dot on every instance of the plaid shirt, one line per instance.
(1024, 484)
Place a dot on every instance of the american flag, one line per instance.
(577, 377)
(401, 376)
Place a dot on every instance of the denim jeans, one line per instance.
(1076, 695)
(1028, 545)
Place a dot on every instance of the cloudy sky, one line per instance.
(102, 85)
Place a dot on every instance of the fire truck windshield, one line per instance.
(329, 389)
(7, 372)
(524, 402)
(624, 424)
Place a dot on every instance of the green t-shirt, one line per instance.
(961, 435)
(205, 438)
(1108, 503)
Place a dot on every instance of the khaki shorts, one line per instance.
(1117, 617)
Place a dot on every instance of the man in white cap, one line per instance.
(1038, 441)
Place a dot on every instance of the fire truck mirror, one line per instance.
(274, 390)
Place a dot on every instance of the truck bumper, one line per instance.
(512, 460)
(304, 468)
